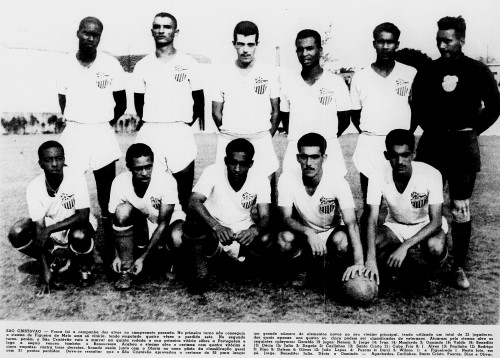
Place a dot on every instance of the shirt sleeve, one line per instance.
(435, 187)
(264, 191)
(35, 206)
(355, 98)
(342, 98)
(195, 76)
(139, 84)
(61, 77)
(82, 200)
(274, 83)
(375, 191)
(169, 194)
(344, 195)
(114, 197)
(284, 100)
(118, 76)
(207, 181)
(217, 89)
(285, 191)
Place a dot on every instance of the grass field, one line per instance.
(255, 300)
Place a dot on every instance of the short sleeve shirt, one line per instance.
(383, 101)
(162, 189)
(314, 108)
(412, 206)
(322, 210)
(246, 97)
(232, 208)
(167, 87)
(89, 90)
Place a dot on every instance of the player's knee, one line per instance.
(285, 240)
(123, 214)
(22, 233)
(436, 245)
(81, 240)
(339, 242)
(176, 236)
(460, 210)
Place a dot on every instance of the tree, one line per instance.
(412, 57)
(327, 36)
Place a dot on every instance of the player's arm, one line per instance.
(217, 108)
(371, 235)
(275, 110)
(196, 206)
(198, 108)
(284, 117)
(41, 239)
(350, 221)
(62, 102)
(356, 119)
(246, 237)
(491, 100)
(120, 98)
(139, 108)
(344, 119)
(79, 217)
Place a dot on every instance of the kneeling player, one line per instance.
(146, 211)
(311, 201)
(58, 232)
(221, 204)
(413, 192)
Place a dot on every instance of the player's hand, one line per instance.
(246, 237)
(139, 125)
(371, 271)
(42, 236)
(352, 271)
(397, 257)
(224, 234)
(117, 265)
(318, 246)
(137, 266)
(113, 122)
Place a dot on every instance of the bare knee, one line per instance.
(176, 234)
(123, 214)
(22, 233)
(461, 210)
(81, 239)
(339, 241)
(436, 245)
(285, 240)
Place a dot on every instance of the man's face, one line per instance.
(400, 157)
(141, 169)
(245, 48)
(308, 52)
(385, 45)
(164, 30)
(449, 45)
(311, 161)
(89, 36)
(238, 164)
(52, 161)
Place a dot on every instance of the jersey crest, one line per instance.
(418, 200)
(326, 205)
(402, 87)
(180, 73)
(260, 86)
(248, 200)
(68, 201)
(325, 96)
(449, 83)
(155, 202)
(103, 80)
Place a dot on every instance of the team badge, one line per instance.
(68, 201)
(449, 83)
(155, 203)
(326, 205)
(402, 87)
(260, 86)
(180, 73)
(418, 200)
(103, 80)
(248, 200)
(325, 96)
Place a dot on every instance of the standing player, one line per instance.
(169, 99)
(246, 103)
(413, 192)
(220, 210)
(316, 101)
(58, 227)
(379, 96)
(317, 209)
(146, 213)
(92, 98)
(455, 98)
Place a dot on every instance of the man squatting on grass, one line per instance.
(58, 233)
(147, 214)
(220, 216)
(413, 192)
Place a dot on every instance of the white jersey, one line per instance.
(232, 208)
(322, 210)
(89, 90)
(167, 87)
(246, 97)
(314, 108)
(412, 206)
(383, 101)
(162, 189)
(72, 195)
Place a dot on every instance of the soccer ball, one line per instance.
(360, 290)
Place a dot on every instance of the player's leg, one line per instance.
(386, 243)
(104, 178)
(81, 244)
(22, 236)
(185, 179)
(435, 250)
(123, 230)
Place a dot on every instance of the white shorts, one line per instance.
(265, 158)
(176, 215)
(334, 162)
(172, 143)
(369, 156)
(404, 232)
(326, 234)
(89, 145)
(61, 237)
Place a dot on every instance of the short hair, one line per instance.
(453, 23)
(91, 19)
(400, 137)
(386, 27)
(170, 16)
(303, 34)
(246, 28)
(240, 145)
(312, 140)
(48, 144)
(138, 150)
